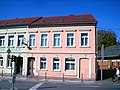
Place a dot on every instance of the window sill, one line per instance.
(84, 46)
(70, 46)
(21, 46)
(43, 69)
(11, 46)
(44, 47)
(56, 71)
(33, 46)
(69, 70)
(57, 47)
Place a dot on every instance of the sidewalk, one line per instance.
(35, 79)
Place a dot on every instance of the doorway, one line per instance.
(84, 68)
(31, 66)
(19, 65)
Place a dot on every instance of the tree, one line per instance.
(108, 38)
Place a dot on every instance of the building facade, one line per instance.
(13, 33)
(62, 45)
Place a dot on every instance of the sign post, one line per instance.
(102, 58)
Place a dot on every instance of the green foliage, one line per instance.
(108, 38)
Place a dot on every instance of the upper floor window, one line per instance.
(43, 63)
(84, 40)
(32, 40)
(2, 40)
(44, 40)
(70, 39)
(11, 40)
(20, 40)
(57, 40)
(1, 61)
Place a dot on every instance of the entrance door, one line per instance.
(31, 66)
(84, 66)
(19, 65)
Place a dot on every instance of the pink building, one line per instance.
(63, 45)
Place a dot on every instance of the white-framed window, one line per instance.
(43, 63)
(8, 62)
(84, 39)
(44, 40)
(2, 41)
(56, 64)
(32, 40)
(20, 40)
(1, 61)
(70, 39)
(56, 40)
(69, 64)
(11, 40)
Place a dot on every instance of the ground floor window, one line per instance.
(1, 61)
(56, 64)
(43, 63)
(69, 64)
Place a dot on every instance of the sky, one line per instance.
(106, 12)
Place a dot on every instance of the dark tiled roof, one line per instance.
(87, 18)
(112, 51)
(18, 21)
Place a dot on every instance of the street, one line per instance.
(56, 85)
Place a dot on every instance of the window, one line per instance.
(43, 63)
(44, 40)
(69, 64)
(1, 61)
(20, 40)
(2, 40)
(57, 40)
(32, 40)
(8, 62)
(84, 39)
(10, 41)
(56, 64)
(70, 40)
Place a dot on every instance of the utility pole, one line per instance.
(102, 58)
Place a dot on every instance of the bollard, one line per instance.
(63, 77)
(2, 73)
(45, 76)
(82, 78)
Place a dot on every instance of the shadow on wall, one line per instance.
(106, 74)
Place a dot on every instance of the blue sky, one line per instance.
(107, 12)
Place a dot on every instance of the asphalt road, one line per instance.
(39, 85)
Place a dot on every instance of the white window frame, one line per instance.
(11, 40)
(73, 40)
(32, 39)
(3, 40)
(1, 62)
(21, 43)
(55, 62)
(43, 62)
(57, 40)
(9, 63)
(84, 39)
(44, 41)
(70, 65)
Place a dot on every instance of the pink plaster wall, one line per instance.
(63, 52)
